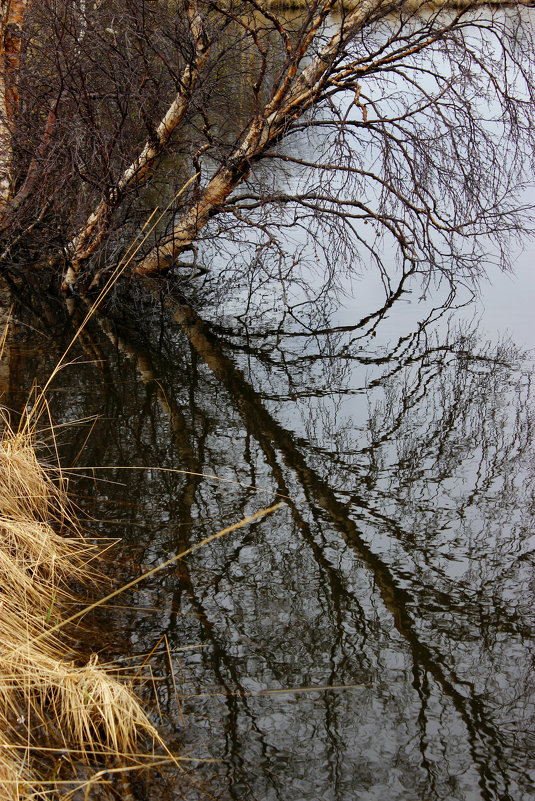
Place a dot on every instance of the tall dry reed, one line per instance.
(55, 715)
(50, 706)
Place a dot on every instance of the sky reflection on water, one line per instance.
(400, 574)
(374, 639)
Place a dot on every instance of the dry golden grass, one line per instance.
(50, 705)
(65, 728)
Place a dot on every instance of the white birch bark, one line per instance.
(88, 238)
(295, 95)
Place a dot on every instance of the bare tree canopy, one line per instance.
(408, 129)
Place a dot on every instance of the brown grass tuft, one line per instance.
(50, 705)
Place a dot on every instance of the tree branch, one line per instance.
(292, 99)
(88, 238)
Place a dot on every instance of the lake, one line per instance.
(374, 638)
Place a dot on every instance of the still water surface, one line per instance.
(374, 638)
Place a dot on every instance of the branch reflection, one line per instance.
(402, 570)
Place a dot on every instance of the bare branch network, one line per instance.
(390, 133)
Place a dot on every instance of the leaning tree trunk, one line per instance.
(90, 236)
(295, 94)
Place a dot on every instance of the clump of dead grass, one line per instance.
(50, 705)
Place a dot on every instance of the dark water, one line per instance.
(374, 638)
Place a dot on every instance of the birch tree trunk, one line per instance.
(11, 26)
(88, 238)
(296, 93)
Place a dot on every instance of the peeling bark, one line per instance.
(11, 26)
(88, 238)
(295, 95)
(185, 233)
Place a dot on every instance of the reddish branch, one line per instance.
(11, 26)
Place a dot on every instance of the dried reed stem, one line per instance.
(48, 702)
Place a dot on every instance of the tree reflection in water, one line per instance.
(390, 603)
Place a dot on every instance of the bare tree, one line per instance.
(408, 130)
